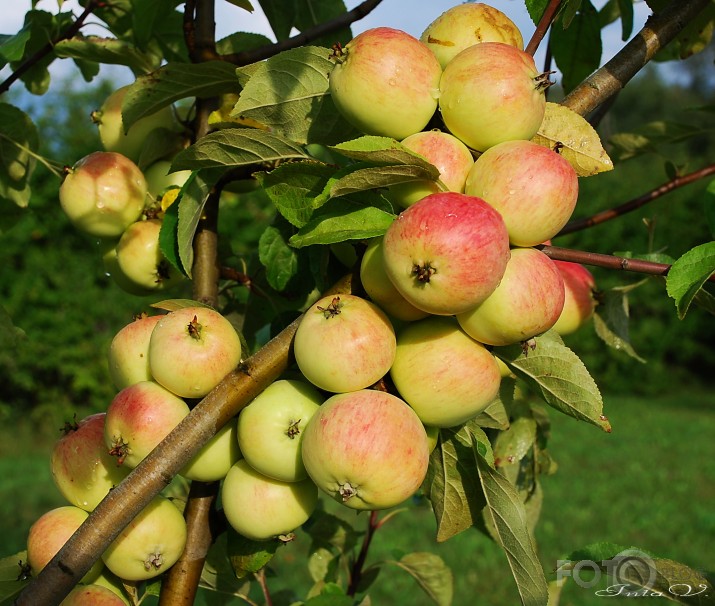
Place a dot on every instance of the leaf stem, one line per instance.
(54, 167)
(356, 569)
(542, 27)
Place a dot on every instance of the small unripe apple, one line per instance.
(151, 543)
(344, 343)
(446, 253)
(452, 158)
(103, 194)
(367, 449)
(579, 303)
(492, 92)
(215, 458)
(386, 82)
(138, 418)
(467, 24)
(128, 355)
(92, 595)
(108, 119)
(270, 428)
(192, 349)
(261, 508)
(534, 189)
(139, 258)
(445, 375)
(82, 468)
(380, 289)
(50, 532)
(159, 179)
(527, 303)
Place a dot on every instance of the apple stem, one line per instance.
(333, 309)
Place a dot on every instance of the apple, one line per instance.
(128, 355)
(270, 428)
(120, 587)
(432, 436)
(344, 343)
(492, 92)
(159, 179)
(150, 544)
(386, 82)
(103, 193)
(366, 449)
(444, 375)
(139, 258)
(446, 253)
(534, 189)
(50, 532)
(82, 469)
(192, 349)
(108, 249)
(215, 458)
(452, 158)
(112, 135)
(579, 302)
(138, 418)
(527, 303)
(379, 287)
(467, 24)
(261, 508)
(92, 595)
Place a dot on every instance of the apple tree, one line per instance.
(396, 332)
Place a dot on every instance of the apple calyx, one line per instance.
(293, 429)
(528, 345)
(119, 449)
(542, 81)
(332, 309)
(338, 53)
(423, 271)
(347, 491)
(154, 560)
(194, 329)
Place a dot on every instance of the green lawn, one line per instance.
(650, 483)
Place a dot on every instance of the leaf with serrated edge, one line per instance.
(508, 517)
(431, 574)
(106, 51)
(559, 375)
(688, 275)
(374, 177)
(512, 444)
(381, 150)
(576, 139)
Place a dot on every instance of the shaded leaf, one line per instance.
(19, 142)
(705, 300)
(248, 556)
(239, 42)
(709, 206)
(431, 574)
(374, 177)
(11, 576)
(512, 444)
(688, 275)
(574, 138)
(303, 15)
(105, 50)
(174, 304)
(493, 416)
(279, 259)
(610, 321)
(694, 37)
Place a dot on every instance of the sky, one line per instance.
(400, 14)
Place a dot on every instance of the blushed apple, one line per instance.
(151, 543)
(216, 457)
(138, 418)
(534, 189)
(466, 24)
(579, 302)
(366, 449)
(50, 532)
(443, 374)
(128, 355)
(92, 595)
(380, 288)
(103, 194)
(344, 343)
(446, 253)
(261, 508)
(527, 303)
(270, 428)
(82, 468)
(386, 82)
(452, 158)
(490, 93)
(192, 349)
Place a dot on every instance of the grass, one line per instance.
(649, 484)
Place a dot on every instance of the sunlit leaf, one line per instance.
(279, 259)
(431, 573)
(105, 50)
(688, 275)
(174, 304)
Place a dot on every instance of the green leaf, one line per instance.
(303, 15)
(625, 8)
(610, 321)
(374, 177)
(694, 37)
(289, 93)
(12, 48)
(507, 516)
(10, 335)
(559, 375)
(11, 576)
(107, 51)
(513, 444)
(330, 531)
(494, 416)
(174, 304)
(536, 8)
(452, 483)
(381, 150)
(248, 556)
(431, 573)
(346, 218)
(19, 142)
(705, 300)
(233, 147)
(239, 42)
(688, 275)
(279, 259)
(174, 81)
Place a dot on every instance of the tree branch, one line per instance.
(636, 203)
(659, 30)
(543, 26)
(322, 29)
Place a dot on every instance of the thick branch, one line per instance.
(608, 80)
(543, 26)
(322, 29)
(155, 472)
(636, 203)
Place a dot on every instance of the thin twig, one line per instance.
(543, 26)
(636, 203)
(357, 567)
(261, 578)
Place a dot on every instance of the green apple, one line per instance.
(128, 355)
(159, 179)
(216, 457)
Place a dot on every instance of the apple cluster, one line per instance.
(106, 195)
